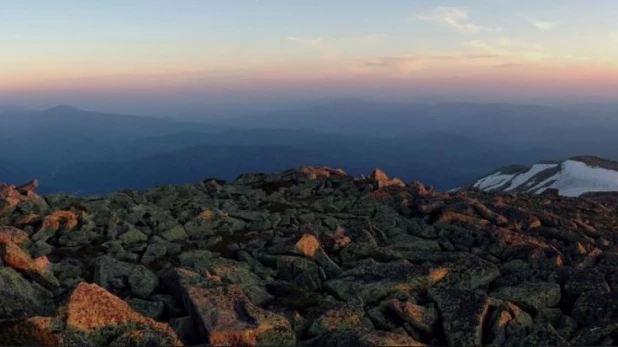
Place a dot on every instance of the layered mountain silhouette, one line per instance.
(262, 254)
(445, 145)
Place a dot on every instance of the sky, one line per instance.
(156, 56)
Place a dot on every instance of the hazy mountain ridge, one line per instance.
(410, 159)
(446, 145)
(14, 109)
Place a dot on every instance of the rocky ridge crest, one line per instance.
(307, 257)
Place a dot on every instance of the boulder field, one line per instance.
(309, 257)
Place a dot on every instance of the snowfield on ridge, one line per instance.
(572, 177)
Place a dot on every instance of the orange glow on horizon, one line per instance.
(560, 76)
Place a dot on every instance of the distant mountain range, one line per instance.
(445, 145)
(572, 177)
(13, 109)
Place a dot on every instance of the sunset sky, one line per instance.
(97, 53)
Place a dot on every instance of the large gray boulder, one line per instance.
(18, 299)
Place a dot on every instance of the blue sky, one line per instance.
(206, 46)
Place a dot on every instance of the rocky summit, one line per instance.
(309, 257)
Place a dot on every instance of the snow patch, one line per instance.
(492, 181)
(576, 178)
(524, 177)
(573, 178)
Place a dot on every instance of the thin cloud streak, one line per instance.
(540, 24)
(403, 65)
(511, 50)
(511, 66)
(312, 41)
(370, 38)
(455, 18)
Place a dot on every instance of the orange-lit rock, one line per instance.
(455, 217)
(37, 269)
(99, 315)
(55, 220)
(11, 195)
(28, 187)
(12, 235)
(379, 175)
(379, 195)
(340, 318)
(17, 258)
(420, 189)
(383, 181)
(316, 173)
(33, 331)
(27, 220)
(137, 338)
(308, 245)
(226, 316)
(207, 215)
(336, 240)
(231, 319)
(418, 316)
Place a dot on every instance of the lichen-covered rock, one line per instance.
(33, 331)
(298, 270)
(463, 315)
(375, 281)
(174, 234)
(344, 317)
(594, 335)
(531, 296)
(405, 242)
(226, 316)
(150, 309)
(471, 273)
(68, 272)
(366, 338)
(133, 236)
(142, 282)
(101, 317)
(153, 252)
(39, 331)
(204, 224)
(37, 269)
(582, 281)
(40, 249)
(110, 273)
(507, 323)
(139, 338)
(18, 299)
(239, 273)
(76, 238)
(197, 259)
(10, 234)
(544, 336)
(596, 307)
(419, 317)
